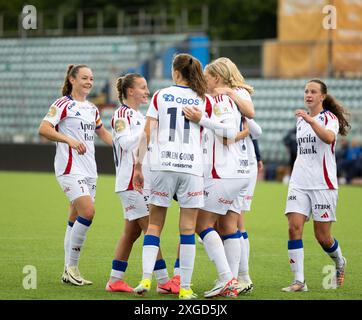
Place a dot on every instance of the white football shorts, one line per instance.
(75, 186)
(135, 204)
(188, 188)
(221, 193)
(243, 201)
(320, 204)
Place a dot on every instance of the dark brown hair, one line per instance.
(334, 106)
(191, 71)
(125, 82)
(72, 71)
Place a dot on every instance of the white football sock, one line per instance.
(68, 232)
(296, 259)
(232, 252)
(77, 239)
(149, 255)
(187, 259)
(215, 250)
(335, 253)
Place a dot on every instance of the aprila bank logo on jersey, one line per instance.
(168, 97)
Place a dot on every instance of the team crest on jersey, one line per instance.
(321, 118)
(52, 111)
(119, 125)
(219, 111)
(168, 97)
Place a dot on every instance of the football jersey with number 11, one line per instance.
(177, 142)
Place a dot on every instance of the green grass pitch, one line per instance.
(33, 220)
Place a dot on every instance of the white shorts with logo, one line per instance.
(243, 201)
(220, 194)
(75, 186)
(320, 204)
(135, 205)
(188, 188)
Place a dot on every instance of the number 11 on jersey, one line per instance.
(173, 116)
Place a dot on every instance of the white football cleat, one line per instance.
(75, 277)
(296, 286)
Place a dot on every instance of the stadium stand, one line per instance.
(32, 71)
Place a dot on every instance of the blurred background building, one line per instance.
(277, 45)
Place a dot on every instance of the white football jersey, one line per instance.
(315, 166)
(127, 127)
(177, 142)
(245, 95)
(225, 161)
(78, 120)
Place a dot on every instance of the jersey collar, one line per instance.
(184, 87)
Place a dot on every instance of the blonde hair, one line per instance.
(220, 69)
(236, 79)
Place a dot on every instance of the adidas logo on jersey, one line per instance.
(77, 114)
(325, 215)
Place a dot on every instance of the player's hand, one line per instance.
(77, 145)
(138, 180)
(245, 126)
(193, 114)
(260, 166)
(302, 113)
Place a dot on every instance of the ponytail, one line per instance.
(72, 71)
(191, 71)
(119, 89)
(334, 106)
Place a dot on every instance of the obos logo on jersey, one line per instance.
(168, 97)
(171, 98)
(119, 125)
(52, 111)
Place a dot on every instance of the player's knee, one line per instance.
(132, 235)
(88, 213)
(226, 229)
(295, 231)
(187, 228)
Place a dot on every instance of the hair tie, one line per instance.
(190, 61)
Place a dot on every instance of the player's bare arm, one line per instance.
(104, 135)
(47, 130)
(240, 135)
(327, 136)
(245, 107)
(138, 179)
